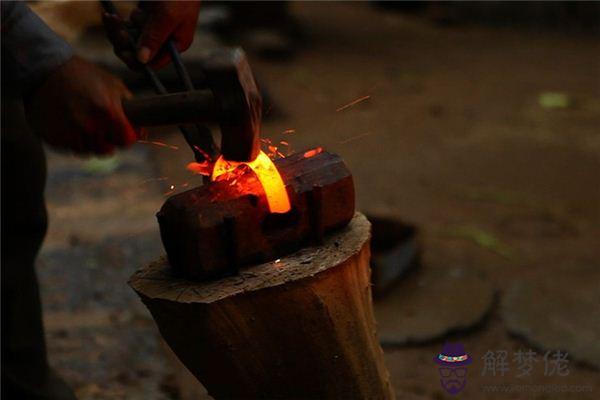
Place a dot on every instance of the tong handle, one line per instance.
(198, 137)
(199, 106)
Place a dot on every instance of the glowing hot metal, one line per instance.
(268, 176)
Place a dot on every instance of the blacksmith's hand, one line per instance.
(78, 108)
(156, 22)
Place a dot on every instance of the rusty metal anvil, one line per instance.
(216, 229)
(232, 100)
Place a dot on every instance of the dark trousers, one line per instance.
(25, 370)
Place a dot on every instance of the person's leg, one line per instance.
(25, 370)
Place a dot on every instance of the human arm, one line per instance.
(72, 104)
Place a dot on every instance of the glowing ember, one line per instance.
(206, 156)
(268, 176)
(313, 152)
(272, 150)
(203, 168)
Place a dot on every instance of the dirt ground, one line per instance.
(456, 134)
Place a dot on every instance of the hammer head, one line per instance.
(230, 78)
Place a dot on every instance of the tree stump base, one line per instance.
(295, 328)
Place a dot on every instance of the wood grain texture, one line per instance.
(299, 328)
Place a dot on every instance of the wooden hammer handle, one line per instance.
(198, 106)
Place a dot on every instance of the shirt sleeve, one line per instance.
(30, 44)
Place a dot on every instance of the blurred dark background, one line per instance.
(557, 15)
(478, 125)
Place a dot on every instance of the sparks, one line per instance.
(289, 131)
(353, 103)
(206, 156)
(268, 176)
(159, 144)
(350, 139)
(313, 152)
(271, 150)
(203, 168)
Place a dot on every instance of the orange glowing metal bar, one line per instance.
(268, 176)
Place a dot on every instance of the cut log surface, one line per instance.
(301, 327)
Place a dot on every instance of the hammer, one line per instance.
(232, 100)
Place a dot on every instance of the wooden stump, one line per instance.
(301, 327)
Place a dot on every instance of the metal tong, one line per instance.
(197, 136)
